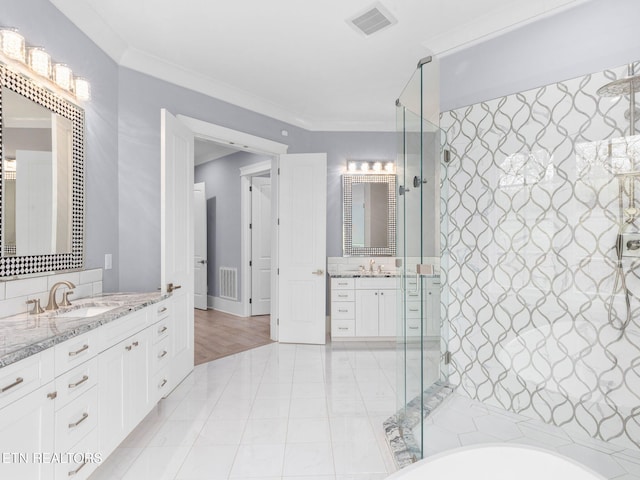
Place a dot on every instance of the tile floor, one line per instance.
(300, 412)
(274, 412)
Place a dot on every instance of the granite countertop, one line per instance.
(24, 335)
(356, 274)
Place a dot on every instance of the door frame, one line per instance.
(210, 131)
(245, 232)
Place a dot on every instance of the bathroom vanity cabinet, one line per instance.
(84, 395)
(368, 307)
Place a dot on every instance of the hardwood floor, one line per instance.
(219, 334)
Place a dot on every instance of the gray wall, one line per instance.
(42, 24)
(222, 189)
(123, 117)
(140, 100)
(594, 36)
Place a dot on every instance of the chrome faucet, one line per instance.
(371, 262)
(52, 304)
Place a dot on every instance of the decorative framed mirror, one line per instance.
(369, 215)
(41, 179)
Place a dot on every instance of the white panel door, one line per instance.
(302, 248)
(34, 203)
(200, 247)
(260, 245)
(177, 242)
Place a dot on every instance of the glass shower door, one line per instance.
(421, 335)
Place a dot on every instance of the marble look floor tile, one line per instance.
(454, 422)
(498, 426)
(308, 430)
(437, 439)
(308, 390)
(206, 463)
(265, 431)
(274, 390)
(177, 433)
(117, 464)
(221, 432)
(473, 438)
(157, 463)
(308, 458)
(258, 461)
(357, 457)
(270, 408)
(352, 429)
(308, 407)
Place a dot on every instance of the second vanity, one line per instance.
(74, 385)
(366, 307)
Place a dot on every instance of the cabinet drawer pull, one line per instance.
(84, 347)
(84, 417)
(52, 395)
(343, 328)
(162, 330)
(163, 383)
(162, 310)
(84, 379)
(343, 311)
(74, 472)
(414, 310)
(413, 328)
(18, 381)
(164, 352)
(342, 283)
(128, 348)
(343, 296)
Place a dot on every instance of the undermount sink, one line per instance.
(90, 311)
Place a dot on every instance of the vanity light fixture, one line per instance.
(31, 59)
(13, 45)
(39, 61)
(372, 167)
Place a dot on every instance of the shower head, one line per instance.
(622, 86)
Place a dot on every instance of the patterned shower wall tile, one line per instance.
(530, 223)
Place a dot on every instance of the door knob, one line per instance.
(171, 287)
(203, 262)
(318, 272)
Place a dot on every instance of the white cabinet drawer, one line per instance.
(161, 353)
(161, 310)
(161, 329)
(343, 296)
(76, 420)
(343, 328)
(75, 351)
(413, 309)
(343, 310)
(379, 283)
(124, 327)
(342, 283)
(413, 327)
(81, 460)
(75, 382)
(160, 384)
(25, 376)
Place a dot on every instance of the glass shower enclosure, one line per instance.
(422, 355)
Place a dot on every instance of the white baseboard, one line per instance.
(224, 305)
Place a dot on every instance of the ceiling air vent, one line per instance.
(372, 20)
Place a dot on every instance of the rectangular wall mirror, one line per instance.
(369, 215)
(41, 179)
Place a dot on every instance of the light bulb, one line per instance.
(40, 61)
(82, 88)
(377, 167)
(364, 167)
(353, 166)
(12, 44)
(63, 76)
(389, 167)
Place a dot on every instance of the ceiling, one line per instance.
(298, 61)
